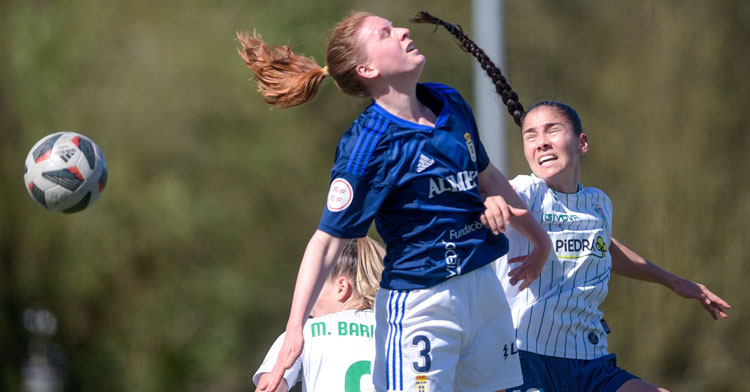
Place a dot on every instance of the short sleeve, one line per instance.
(529, 189)
(351, 205)
(356, 190)
(292, 375)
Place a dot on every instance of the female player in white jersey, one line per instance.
(561, 335)
(560, 331)
(339, 339)
(414, 164)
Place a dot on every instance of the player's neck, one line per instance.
(564, 185)
(405, 105)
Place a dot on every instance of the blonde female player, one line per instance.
(413, 163)
(339, 339)
(561, 335)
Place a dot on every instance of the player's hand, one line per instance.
(497, 213)
(530, 268)
(283, 386)
(290, 351)
(714, 305)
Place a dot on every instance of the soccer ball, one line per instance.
(65, 172)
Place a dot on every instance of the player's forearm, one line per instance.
(628, 263)
(320, 255)
(283, 386)
(532, 231)
(492, 182)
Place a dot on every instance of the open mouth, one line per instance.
(547, 160)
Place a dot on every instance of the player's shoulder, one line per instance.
(528, 184)
(370, 122)
(440, 89)
(596, 192)
(370, 128)
(350, 315)
(444, 93)
(364, 143)
(599, 199)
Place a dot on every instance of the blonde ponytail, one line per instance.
(362, 263)
(284, 78)
(370, 256)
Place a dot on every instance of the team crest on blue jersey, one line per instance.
(340, 195)
(470, 145)
(424, 163)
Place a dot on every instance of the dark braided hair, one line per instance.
(510, 98)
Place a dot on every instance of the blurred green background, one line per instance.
(181, 275)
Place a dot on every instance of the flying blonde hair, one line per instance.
(286, 79)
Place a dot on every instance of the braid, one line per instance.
(510, 98)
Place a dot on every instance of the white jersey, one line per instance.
(337, 355)
(558, 315)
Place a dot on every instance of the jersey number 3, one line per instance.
(424, 353)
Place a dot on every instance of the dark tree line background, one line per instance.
(181, 275)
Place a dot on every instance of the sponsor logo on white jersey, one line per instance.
(575, 248)
(461, 181)
(424, 163)
(340, 195)
(556, 217)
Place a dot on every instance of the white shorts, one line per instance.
(455, 336)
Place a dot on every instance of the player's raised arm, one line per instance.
(427, 209)
(320, 255)
(493, 183)
(627, 262)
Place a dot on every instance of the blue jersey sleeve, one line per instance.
(358, 187)
(351, 205)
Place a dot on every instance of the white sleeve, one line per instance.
(527, 188)
(291, 375)
(610, 211)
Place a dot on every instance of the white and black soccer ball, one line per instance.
(65, 172)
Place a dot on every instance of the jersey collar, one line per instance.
(441, 117)
(580, 187)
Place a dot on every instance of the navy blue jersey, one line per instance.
(419, 184)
